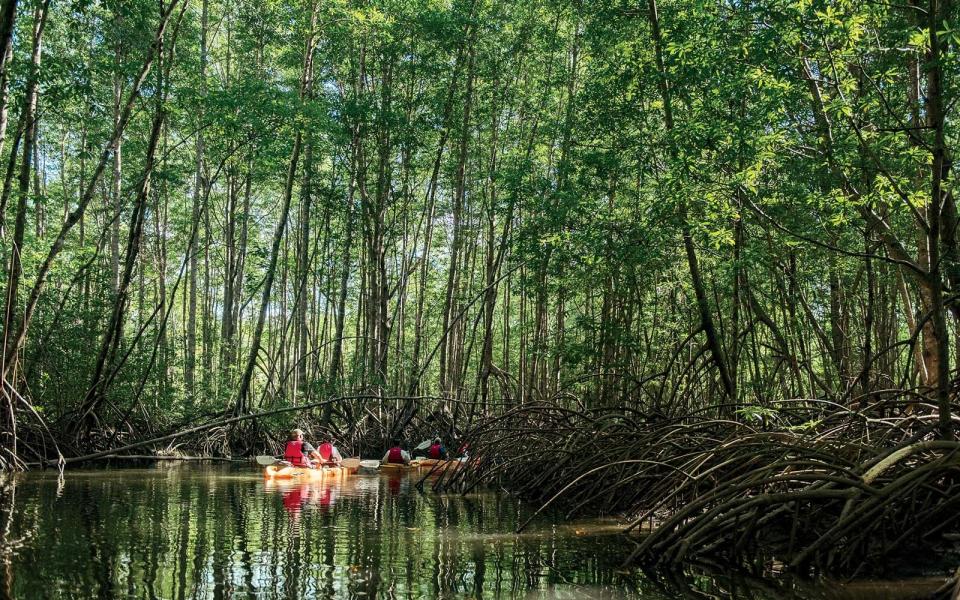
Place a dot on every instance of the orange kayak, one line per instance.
(288, 472)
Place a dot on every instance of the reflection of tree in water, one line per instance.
(8, 499)
(292, 556)
(175, 535)
(10, 541)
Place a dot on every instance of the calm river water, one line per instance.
(188, 531)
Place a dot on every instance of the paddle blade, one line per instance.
(266, 461)
(370, 464)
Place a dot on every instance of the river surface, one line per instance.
(189, 531)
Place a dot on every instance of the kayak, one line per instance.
(369, 466)
(352, 465)
(288, 472)
(439, 463)
(393, 467)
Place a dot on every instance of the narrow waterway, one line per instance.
(188, 531)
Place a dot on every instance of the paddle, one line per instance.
(370, 464)
(266, 461)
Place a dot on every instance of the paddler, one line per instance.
(396, 455)
(437, 451)
(328, 453)
(298, 452)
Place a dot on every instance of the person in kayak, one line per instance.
(396, 455)
(298, 452)
(328, 453)
(437, 451)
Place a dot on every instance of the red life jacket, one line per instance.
(434, 451)
(395, 455)
(325, 450)
(293, 454)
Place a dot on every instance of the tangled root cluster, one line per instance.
(813, 485)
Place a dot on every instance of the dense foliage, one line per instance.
(222, 206)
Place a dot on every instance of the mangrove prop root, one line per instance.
(817, 486)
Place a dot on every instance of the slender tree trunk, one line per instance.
(490, 260)
(942, 210)
(8, 16)
(190, 353)
(303, 272)
(113, 335)
(162, 202)
(334, 375)
(19, 334)
(242, 403)
(115, 200)
(703, 307)
(29, 119)
(229, 277)
(418, 326)
(448, 379)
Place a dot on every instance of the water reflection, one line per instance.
(220, 532)
(297, 495)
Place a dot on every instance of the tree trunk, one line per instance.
(8, 16)
(190, 351)
(115, 198)
(112, 337)
(941, 209)
(448, 378)
(336, 359)
(303, 272)
(414, 386)
(19, 334)
(29, 120)
(242, 404)
(703, 307)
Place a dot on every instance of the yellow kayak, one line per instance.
(303, 473)
(422, 463)
(439, 463)
(397, 466)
